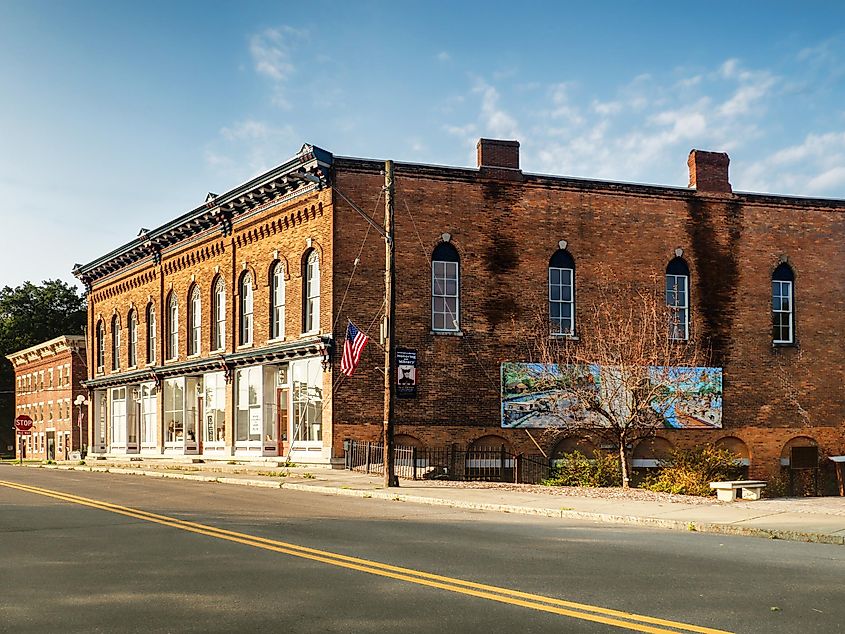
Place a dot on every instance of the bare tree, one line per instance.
(623, 377)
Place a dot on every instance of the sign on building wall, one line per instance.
(406, 373)
(546, 395)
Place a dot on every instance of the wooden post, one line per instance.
(390, 313)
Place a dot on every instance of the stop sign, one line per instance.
(23, 424)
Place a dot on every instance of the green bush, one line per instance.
(690, 471)
(576, 470)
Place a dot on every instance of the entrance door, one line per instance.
(282, 417)
(51, 445)
(192, 423)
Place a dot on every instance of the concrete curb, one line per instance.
(377, 494)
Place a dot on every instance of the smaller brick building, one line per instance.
(48, 380)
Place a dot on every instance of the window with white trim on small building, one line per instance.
(307, 401)
(174, 412)
(115, 343)
(100, 347)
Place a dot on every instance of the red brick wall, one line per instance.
(506, 232)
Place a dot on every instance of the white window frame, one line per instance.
(149, 416)
(277, 289)
(311, 312)
(219, 316)
(214, 410)
(195, 337)
(249, 412)
(115, 344)
(172, 329)
(247, 311)
(132, 325)
(556, 323)
(440, 295)
(678, 307)
(119, 419)
(170, 410)
(788, 285)
(306, 402)
(152, 335)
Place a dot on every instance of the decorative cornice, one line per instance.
(277, 185)
(45, 349)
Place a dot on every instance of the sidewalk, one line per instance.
(820, 520)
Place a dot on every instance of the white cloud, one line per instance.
(249, 147)
(443, 56)
(495, 121)
(271, 52)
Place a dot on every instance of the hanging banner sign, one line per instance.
(406, 373)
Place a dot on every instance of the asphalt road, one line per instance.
(73, 567)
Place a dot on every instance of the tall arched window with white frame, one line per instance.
(115, 343)
(218, 323)
(677, 299)
(172, 327)
(132, 328)
(101, 346)
(311, 292)
(445, 289)
(562, 294)
(195, 322)
(277, 302)
(783, 305)
(246, 323)
(152, 335)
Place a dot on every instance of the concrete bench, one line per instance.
(727, 491)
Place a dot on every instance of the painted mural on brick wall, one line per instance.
(544, 395)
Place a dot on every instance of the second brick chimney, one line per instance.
(708, 172)
(499, 159)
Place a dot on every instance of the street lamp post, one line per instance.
(80, 402)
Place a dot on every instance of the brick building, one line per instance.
(216, 333)
(48, 380)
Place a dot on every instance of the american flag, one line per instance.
(352, 349)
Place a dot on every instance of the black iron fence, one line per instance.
(490, 464)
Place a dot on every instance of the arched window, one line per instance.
(277, 302)
(172, 327)
(132, 327)
(562, 293)
(152, 337)
(677, 299)
(445, 289)
(218, 323)
(195, 322)
(115, 343)
(246, 310)
(783, 305)
(101, 346)
(311, 292)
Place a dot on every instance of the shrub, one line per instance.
(690, 471)
(576, 470)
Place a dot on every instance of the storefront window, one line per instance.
(307, 401)
(118, 417)
(149, 418)
(174, 410)
(215, 408)
(249, 418)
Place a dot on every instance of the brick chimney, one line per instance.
(499, 159)
(708, 172)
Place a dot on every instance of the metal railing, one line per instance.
(488, 464)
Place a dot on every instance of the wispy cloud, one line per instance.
(443, 56)
(249, 147)
(272, 55)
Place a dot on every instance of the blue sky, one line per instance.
(117, 115)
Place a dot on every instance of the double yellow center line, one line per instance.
(586, 612)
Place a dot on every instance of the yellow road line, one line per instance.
(635, 622)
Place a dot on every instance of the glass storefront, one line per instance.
(214, 414)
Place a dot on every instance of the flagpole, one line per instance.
(390, 330)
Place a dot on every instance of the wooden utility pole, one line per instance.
(389, 331)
